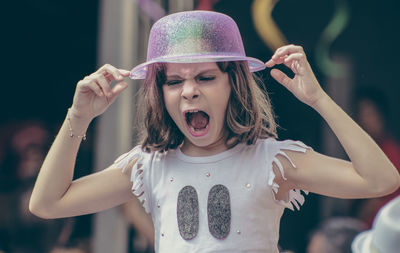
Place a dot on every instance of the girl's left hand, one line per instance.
(303, 85)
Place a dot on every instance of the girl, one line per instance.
(208, 169)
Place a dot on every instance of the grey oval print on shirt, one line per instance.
(188, 212)
(219, 211)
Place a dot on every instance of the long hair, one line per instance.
(249, 114)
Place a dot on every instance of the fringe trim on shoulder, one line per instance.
(294, 198)
(138, 172)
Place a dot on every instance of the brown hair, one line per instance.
(248, 116)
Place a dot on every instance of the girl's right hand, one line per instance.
(93, 94)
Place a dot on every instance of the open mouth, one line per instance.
(197, 122)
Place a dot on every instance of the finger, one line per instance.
(281, 54)
(100, 82)
(110, 70)
(289, 49)
(281, 77)
(109, 77)
(294, 62)
(88, 84)
(270, 63)
(124, 72)
(104, 84)
(285, 51)
(117, 89)
(274, 61)
(294, 56)
(106, 95)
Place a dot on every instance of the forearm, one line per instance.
(367, 158)
(57, 171)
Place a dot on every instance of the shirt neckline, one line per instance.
(208, 159)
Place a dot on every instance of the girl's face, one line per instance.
(196, 96)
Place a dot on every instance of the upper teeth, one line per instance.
(194, 110)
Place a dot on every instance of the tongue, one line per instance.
(199, 120)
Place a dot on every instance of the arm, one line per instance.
(54, 194)
(369, 174)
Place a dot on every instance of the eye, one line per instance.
(173, 82)
(206, 78)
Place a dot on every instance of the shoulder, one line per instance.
(137, 164)
(285, 156)
(274, 148)
(275, 145)
(137, 159)
(281, 157)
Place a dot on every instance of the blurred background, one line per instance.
(48, 46)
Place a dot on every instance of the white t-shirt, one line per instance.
(219, 203)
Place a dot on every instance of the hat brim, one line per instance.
(362, 242)
(139, 72)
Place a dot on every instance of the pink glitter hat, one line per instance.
(195, 36)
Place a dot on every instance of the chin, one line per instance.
(209, 140)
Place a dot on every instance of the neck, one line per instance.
(191, 149)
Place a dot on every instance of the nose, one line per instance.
(190, 90)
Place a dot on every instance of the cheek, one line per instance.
(223, 99)
(170, 104)
(223, 105)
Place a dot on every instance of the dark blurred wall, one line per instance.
(46, 47)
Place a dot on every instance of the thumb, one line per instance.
(281, 77)
(124, 72)
(117, 89)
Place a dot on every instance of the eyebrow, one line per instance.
(200, 73)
